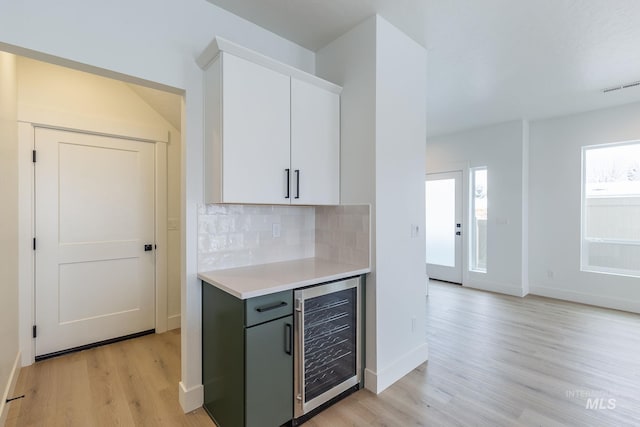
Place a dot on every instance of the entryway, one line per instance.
(443, 226)
(95, 238)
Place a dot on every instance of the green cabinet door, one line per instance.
(269, 373)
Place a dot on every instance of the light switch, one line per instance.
(415, 230)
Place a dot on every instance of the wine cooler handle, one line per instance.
(287, 338)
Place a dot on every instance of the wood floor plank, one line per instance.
(494, 360)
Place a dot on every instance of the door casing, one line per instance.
(452, 273)
(26, 212)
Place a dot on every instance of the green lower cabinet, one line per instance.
(247, 358)
(269, 373)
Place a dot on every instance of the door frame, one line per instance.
(26, 227)
(451, 273)
(464, 168)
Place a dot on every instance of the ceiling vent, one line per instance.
(624, 86)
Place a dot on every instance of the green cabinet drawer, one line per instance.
(268, 307)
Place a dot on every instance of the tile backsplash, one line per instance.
(343, 234)
(240, 235)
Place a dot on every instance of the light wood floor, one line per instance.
(493, 361)
(131, 383)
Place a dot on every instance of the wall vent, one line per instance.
(624, 86)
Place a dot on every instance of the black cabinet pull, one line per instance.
(287, 338)
(270, 307)
(288, 183)
(297, 183)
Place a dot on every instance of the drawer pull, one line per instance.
(270, 307)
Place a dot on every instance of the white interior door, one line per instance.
(443, 196)
(94, 213)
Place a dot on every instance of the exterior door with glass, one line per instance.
(443, 196)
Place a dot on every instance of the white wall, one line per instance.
(401, 116)
(383, 109)
(350, 62)
(58, 96)
(554, 207)
(9, 353)
(501, 149)
(153, 42)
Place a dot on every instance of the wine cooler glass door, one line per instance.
(327, 339)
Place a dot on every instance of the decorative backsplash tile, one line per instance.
(343, 234)
(239, 235)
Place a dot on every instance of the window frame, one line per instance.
(584, 252)
(473, 235)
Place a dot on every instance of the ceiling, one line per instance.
(168, 105)
(492, 60)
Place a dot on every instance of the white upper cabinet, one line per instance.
(272, 133)
(255, 132)
(315, 144)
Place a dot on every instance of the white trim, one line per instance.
(584, 298)
(473, 238)
(377, 382)
(26, 203)
(161, 249)
(9, 389)
(500, 288)
(62, 120)
(190, 399)
(220, 44)
(173, 322)
(464, 167)
(26, 296)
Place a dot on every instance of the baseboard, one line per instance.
(9, 389)
(500, 288)
(377, 382)
(173, 322)
(583, 298)
(191, 399)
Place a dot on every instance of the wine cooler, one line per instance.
(327, 343)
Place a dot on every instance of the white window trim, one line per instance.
(584, 253)
(472, 209)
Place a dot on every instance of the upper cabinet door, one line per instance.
(315, 145)
(255, 133)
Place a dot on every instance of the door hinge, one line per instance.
(34, 156)
(35, 331)
(34, 243)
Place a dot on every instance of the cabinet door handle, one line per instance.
(269, 307)
(287, 338)
(288, 183)
(297, 183)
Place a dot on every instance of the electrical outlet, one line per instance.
(413, 324)
(549, 274)
(275, 230)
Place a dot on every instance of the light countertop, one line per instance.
(264, 279)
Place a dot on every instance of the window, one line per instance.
(478, 241)
(611, 208)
